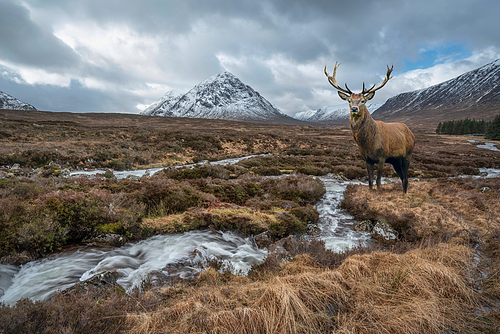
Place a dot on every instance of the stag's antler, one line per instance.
(333, 81)
(387, 77)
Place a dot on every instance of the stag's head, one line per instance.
(356, 101)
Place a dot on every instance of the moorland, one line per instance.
(441, 275)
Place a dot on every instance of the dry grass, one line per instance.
(431, 207)
(421, 291)
(418, 287)
(233, 217)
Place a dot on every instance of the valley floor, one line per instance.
(442, 275)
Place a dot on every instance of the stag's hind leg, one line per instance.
(406, 165)
(398, 165)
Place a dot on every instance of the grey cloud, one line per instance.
(364, 36)
(25, 43)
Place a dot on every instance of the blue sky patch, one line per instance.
(430, 55)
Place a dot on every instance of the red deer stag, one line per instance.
(377, 141)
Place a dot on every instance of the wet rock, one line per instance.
(105, 281)
(262, 240)
(341, 176)
(364, 226)
(18, 259)
(313, 229)
(110, 239)
(15, 166)
(383, 232)
(289, 243)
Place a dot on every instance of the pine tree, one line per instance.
(440, 125)
(475, 127)
(493, 131)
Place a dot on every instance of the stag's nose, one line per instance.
(354, 109)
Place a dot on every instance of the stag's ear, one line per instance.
(369, 96)
(343, 96)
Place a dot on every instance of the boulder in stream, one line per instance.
(105, 281)
(383, 231)
(110, 239)
(313, 230)
(364, 226)
(262, 240)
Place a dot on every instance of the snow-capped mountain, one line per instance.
(9, 102)
(222, 96)
(330, 114)
(474, 94)
(163, 105)
(304, 115)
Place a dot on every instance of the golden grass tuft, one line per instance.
(422, 291)
(429, 208)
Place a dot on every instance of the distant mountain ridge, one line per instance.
(222, 96)
(9, 102)
(474, 94)
(332, 114)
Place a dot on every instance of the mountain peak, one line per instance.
(221, 96)
(9, 102)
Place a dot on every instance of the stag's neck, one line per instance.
(362, 122)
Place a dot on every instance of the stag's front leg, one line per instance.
(380, 169)
(369, 168)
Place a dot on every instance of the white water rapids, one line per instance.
(38, 280)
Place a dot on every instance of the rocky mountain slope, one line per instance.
(9, 102)
(475, 94)
(163, 105)
(222, 96)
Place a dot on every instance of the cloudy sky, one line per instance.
(121, 55)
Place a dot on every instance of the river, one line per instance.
(40, 279)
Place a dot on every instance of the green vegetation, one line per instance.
(42, 214)
(493, 131)
(463, 127)
(490, 130)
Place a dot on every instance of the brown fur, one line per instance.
(380, 142)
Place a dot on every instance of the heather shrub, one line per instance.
(42, 234)
(198, 172)
(308, 213)
(80, 212)
(299, 188)
(165, 196)
(287, 224)
(12, 216)
(350, 172)
(231, 191)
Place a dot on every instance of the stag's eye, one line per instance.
(362, 101)
(349, 100)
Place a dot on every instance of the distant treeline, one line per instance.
(490, 129)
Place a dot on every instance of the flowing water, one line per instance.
(38, 280)
(141, 172)
(488, 146)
